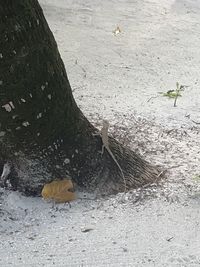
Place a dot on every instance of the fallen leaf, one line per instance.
(58, 190)
(117, 31)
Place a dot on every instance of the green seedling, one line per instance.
(174, 93)
(171, 94)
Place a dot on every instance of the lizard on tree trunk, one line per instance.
(105, 145)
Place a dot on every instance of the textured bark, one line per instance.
(43, 134)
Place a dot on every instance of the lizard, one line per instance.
(105, 145)
(5, 173)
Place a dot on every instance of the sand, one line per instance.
(119, 78)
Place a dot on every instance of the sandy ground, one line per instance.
(119, 78)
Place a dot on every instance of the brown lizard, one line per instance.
(105, 145)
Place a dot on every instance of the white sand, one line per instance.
(114, 77)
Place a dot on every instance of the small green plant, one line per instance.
(174, 93)
(171, 94)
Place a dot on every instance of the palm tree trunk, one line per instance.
(43, 134)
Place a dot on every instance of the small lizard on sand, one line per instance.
(104, 136)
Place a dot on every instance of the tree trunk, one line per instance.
(43, 134)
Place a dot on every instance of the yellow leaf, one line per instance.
(117, 30)
(58, 190)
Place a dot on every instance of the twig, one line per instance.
(78, 87)
(177, 93)
(164, 171)
(195, 122)
(151, 98)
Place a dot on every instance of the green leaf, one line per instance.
(172, 94)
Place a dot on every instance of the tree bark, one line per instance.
(43, 134)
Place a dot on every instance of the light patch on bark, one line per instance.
(55, 145)
(51, 148)
(25, 123)
(9, 106)
(58, 167)
(39, 115)
(67, 161)
(2, 133)
(17, 27)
